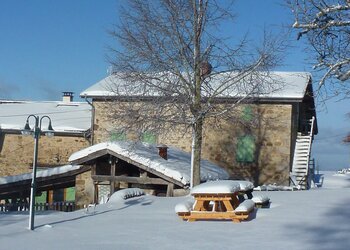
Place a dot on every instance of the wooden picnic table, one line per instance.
(216, 203)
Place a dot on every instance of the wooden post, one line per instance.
(93, 172)
(96, 192)
(112, 182)
(49, 198)
(170, 190)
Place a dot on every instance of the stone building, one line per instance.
(271, 140)
(71, 122)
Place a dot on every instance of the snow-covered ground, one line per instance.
(314, 219)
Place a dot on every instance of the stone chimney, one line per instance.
(67, 97)
(163, 151)
(205, 68)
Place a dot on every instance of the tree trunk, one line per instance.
(197, 129)
(197, 126)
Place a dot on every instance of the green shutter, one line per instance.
(70, 194)
(247, 113)
(148, 137)
(41, 198)
(245, 149)
(117, 136)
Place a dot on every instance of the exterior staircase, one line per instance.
(300, 175)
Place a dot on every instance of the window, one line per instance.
(117, 136)
(245, 152)
(149, 137)
(247, 114)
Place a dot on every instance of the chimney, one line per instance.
(67, 97)
(163, 151)
(205, 68)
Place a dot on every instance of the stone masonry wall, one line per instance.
(16, 152)
(272, 131)
(84, 189)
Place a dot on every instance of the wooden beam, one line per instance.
(90, 157)
(170, 190)
(131, 179)
(97, 154)
(145, 168)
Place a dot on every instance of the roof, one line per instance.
(48, 179)
(275, 85)
(41, 173)
(73, 117)
(177, 167)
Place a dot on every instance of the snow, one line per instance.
(184, 206)
(299, 220)
(245, 206)
(344, 171)
(275, 85)
(216, 187)
(40, 173)
(65, 117)
(177, 166)
(274, 187)
(260, 199)
(338, 180)
(244, 185)
(126, 194)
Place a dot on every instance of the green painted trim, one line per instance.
(245, 151)
(149, 137)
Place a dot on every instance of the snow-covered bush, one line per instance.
(126, 194)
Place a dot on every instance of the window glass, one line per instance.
(117, 136)
(149, 137)
(245, 149)
(247, 113)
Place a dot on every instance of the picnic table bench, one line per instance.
(216, 200)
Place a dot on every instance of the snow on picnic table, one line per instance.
(216, 187)
(299, 220)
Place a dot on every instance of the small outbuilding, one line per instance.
(17, 188)
(159, 170)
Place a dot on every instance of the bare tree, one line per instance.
(326, 24)
(177, 64)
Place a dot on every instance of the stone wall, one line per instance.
(271, 128)
(16, 152)
(84, 189)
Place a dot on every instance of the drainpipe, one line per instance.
(92, 121)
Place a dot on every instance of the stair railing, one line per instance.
(311, 134)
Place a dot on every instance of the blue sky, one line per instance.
(51, 46)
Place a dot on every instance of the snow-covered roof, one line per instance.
(177, 167)
(41, 173)
(73, 117)
(271, 85)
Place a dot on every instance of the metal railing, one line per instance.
(64, 206)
